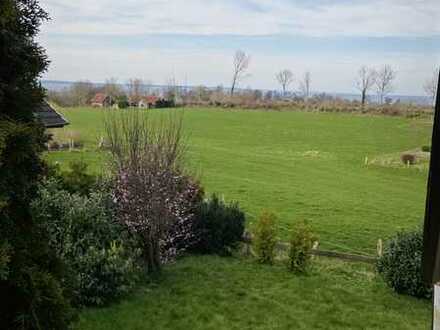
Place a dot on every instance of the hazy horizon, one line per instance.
(194, 42)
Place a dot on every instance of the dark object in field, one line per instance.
(431, 253)
(408, 159)
(426, 148)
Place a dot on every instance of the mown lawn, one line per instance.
(225, 293)
(299, 165)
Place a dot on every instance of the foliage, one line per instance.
(426, 148)
(5, 259)
(163, 103)
(301, 243)
(104, 274)
(77, 179)
(94, 247)
(31, 272)
(123, 102)
(219, 225)
(265, 237)
(401, 264)
(183, 233)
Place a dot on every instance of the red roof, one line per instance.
(99, 98)
(151, 99)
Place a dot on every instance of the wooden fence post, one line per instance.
(315, 247)
(379, 248)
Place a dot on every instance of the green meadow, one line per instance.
(326, 168)
(210, 292)
(302, 166)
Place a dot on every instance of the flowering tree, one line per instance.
(153, 196)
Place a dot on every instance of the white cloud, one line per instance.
(75, 39)
(330, 72)
(245, 17)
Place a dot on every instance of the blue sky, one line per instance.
(194, 40)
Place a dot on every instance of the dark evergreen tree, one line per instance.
(31, 291)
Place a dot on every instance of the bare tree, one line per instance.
(112, 88)
(81, 92)
(171, 91)
(241, 64)
(304, 85)
(430, 85)
(284, 78)
(384, 81)
(365, 81)
(135, 90)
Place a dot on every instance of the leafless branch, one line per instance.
(365, 81)
(240, 66)
(284, 78)
(384, 81)
(304, 85)
(430, 85)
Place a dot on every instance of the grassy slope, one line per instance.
(302, 166)
(225, 293)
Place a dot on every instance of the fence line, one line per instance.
(284, 247)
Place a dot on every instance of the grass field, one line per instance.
(226, 293)
(299, 165)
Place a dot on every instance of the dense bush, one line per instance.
(104, 274)
(219, 225)
(31, 292)
(401, 264)
(164, 103)
(426, 148)
(95, 249)
(123, 102)
(301, 243)
(77, 179)
(265, 238)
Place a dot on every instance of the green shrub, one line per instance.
(426, 148)
(301, 243)
(220, 226)
(123, 102)
(49, 300)
(95, 249)
(401, 264)
(408, 159)
(265, 238)
(77, 179)
(104, 274)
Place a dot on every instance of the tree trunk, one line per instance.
(364, 96)
(232, 89)
(152, 255)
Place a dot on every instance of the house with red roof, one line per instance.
(148, 101)
(101, 100)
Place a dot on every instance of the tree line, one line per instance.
(380, 80)
(368, 80)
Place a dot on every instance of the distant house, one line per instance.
(49, 116)
(101, 100)
(148, 102)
